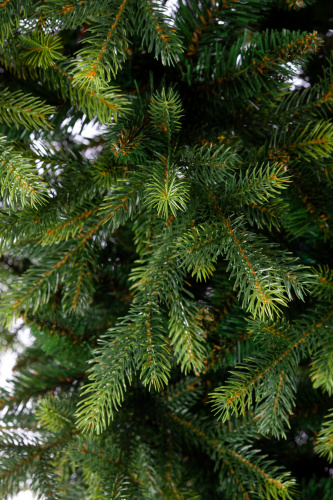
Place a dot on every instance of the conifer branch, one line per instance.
(23, 109)
(41, 50)
(281, 486)
(105, 102)
(91, 69)
(19, 178)
(71, 14)
(104, 397)
(156, 30)
(324, 442)
(198, 145)
(243, 388)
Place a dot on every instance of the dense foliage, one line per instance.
(175, 270)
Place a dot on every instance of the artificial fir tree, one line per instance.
(175, 271)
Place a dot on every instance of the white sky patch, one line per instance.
(297, 80)
(24, 495)
(80, 134)
(89, 131)
(7, 362)
(8, 358)
(239, 61)
(170, 6)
